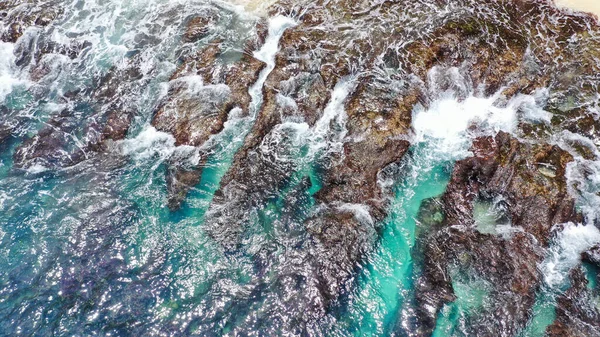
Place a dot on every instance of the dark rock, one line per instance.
(576, 310)
(20, 15)
(351, 204)
(14, 32)
(204, 89)
(197, 28)
(592, 255)
(535, 201)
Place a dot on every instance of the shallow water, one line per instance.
(93, 249)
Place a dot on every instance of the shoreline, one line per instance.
(259, 7)
(589, 6)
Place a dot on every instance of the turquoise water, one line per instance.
(92, 248)
(384, 282)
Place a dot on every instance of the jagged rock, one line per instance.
(500, 167)
(315, 56)
(592, 255)
(351, 204)
(20, 15)
(203, 91)
(196, 28)
(67, 139)
(576, 314)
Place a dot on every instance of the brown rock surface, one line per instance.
(204, 89)
(576, 314)
(18, 15)
(535, 201)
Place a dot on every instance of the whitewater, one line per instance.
(289, 225)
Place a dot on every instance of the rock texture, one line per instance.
(364, 138)
(530, 180)
(66, 139)
(389, 67)
(576, 311)
(336, 111)
(203, 91)
(18, 15)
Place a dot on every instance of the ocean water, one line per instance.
(92, 248)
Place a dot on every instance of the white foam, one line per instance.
(284, 142)
(286, 102)
(456, 114)
(8, 79)
(530, 106)
(565, 254)
(277, 26)
(447, 121)
(148, 143)
(361, 212)
(318, 138)
(36, 168)
(334, 111)
(151, 143)
(583, 178)
(236, 126)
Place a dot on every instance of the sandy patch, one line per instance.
(258, 7)
(591, 6)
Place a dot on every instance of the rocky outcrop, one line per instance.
(197, 28)
(66, 139)
(355, 126)
(389, 66)
(203, 91)
(576, 314)
(530, 181)
(17, 15)
(336, 111)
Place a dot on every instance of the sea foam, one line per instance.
(565, 254)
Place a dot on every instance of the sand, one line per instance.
(258, 7)
(591, 6)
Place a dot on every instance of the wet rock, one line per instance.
(20, 15)
(339, 238)
(388, 65)
(80, 131)
(311, 65)
(592, 255)
(5, 133)
(41, 56)
(197, 28)
(577, 311)
(535, 202)
(383, 117)
(203, 91)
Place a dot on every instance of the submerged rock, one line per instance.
(67, 138)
